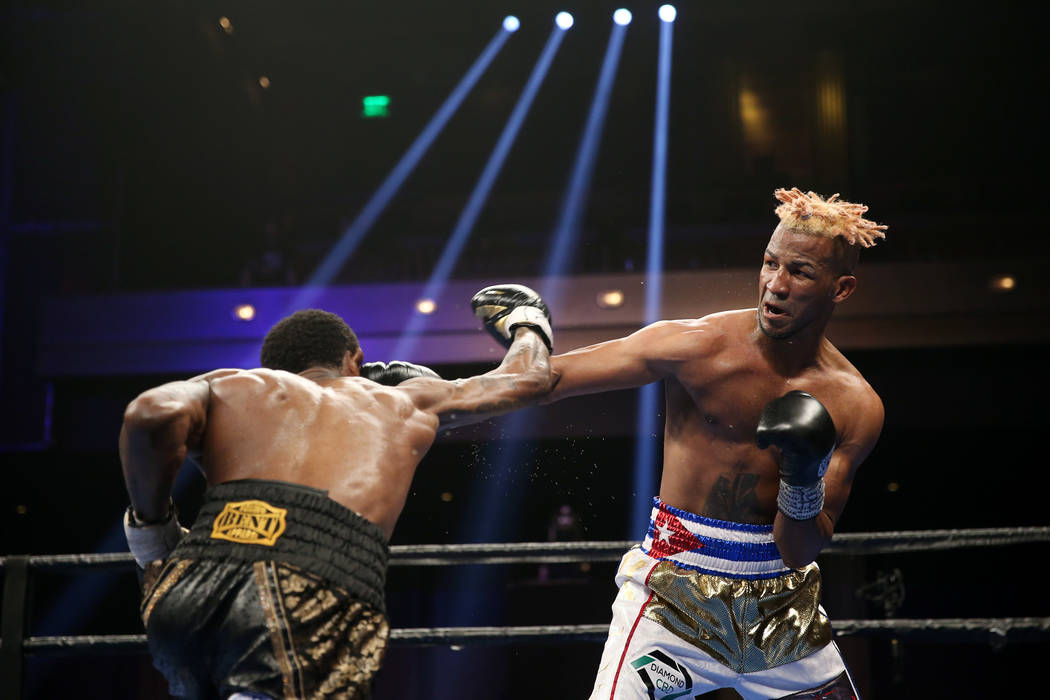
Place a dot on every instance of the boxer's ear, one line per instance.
(352, 363)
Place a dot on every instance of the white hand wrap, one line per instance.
(526, 316)
(801, 502)
(149, 542)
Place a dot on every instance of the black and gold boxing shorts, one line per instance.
(277, 589)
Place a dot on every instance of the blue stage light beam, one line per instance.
(356, 231)
(566, 230)
(648, 441)
(474, 598)
(506, 457)
(472, 209)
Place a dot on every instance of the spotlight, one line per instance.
(264, 82)
(226, 24)
(511, 23)
(426, 306)
(611, 299)
(668, 13)
(563, 20)
(244, 312)
(622, 17)
(1002, 283)
(574, 200)
(445, 263)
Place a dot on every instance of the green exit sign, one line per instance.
(373, 106)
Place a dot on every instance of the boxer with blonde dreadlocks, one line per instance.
(766, 425)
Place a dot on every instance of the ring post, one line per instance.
(12, 628)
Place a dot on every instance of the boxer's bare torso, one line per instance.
(358, 440)
(712, 465)
(719, 373)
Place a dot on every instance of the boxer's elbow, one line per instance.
(153, 411)
(531, 372)
(534, 382)
(798, 553)
(799, 542)
(797, 560)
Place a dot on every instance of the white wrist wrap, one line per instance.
(148, 543)
(528, 316)
(801, 502)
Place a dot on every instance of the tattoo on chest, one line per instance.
(733, 498)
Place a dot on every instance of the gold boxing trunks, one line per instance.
(723, 587)
(706, 604)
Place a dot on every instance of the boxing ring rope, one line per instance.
(850, 543)
(990, 630)
(993, 631)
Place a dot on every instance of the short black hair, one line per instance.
(305, 339)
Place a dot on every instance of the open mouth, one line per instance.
(774, 310)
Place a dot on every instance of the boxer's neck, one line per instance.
(319, 373)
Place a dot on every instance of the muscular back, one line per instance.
(325, 427)
(358, 440)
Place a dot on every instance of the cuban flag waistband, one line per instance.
(718, 547)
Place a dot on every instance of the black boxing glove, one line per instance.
(504, 307)
(803, 430)
(396, 372)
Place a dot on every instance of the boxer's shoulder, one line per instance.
(730, 327)
(840, 386)
(253, 379)
(681, 342)
(729, 320)
(723, 326)
(720, 331)
(842, 373)
(271, 383)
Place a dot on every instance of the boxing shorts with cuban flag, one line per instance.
(706, 604)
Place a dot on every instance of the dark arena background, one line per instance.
(176, 176)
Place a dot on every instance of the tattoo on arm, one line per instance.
(520, 380)
(733, 498)
(498, 385)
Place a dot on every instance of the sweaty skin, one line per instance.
(325, 427)
(719, 372)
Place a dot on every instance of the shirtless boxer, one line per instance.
(277, 589)
(766, 425)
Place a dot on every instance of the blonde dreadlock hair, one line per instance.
(829, 217)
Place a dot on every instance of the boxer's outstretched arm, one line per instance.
(160, 426)
(800, 541)
(520, 380)
(645, 356)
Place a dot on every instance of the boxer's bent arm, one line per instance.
(645, 356)
(160, 426)
(800, 541)
(520, 380)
